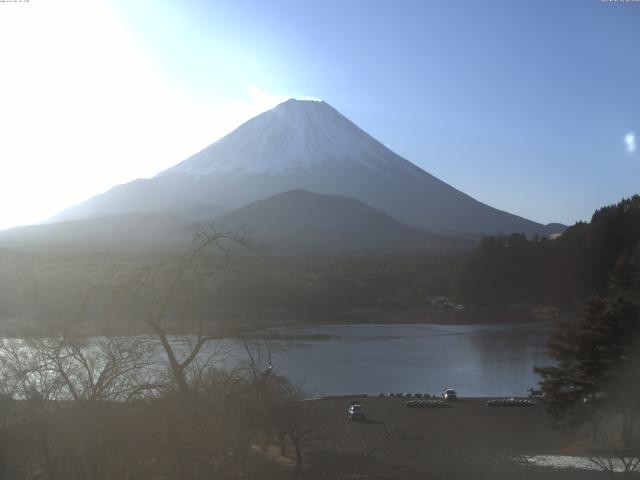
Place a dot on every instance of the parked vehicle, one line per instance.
(535, 393)
(449, 394)
(357, 413)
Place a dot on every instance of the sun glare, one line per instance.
(82, 110)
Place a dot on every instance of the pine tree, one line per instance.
(623, 320)
(598, 357)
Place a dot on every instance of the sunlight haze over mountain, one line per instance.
(531, 108)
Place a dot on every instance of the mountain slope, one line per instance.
(122, 231)
(307, 145)
(295, 222)
(299, 221)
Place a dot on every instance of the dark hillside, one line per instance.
(510, 269)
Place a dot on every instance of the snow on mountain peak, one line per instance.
(309, 99)
(294, 135)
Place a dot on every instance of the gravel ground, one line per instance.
(464, 440)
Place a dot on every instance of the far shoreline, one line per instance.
(18, 328)
(431, 316)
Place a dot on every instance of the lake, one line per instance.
(476, 360)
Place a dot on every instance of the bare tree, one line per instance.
(290, 416)
(191, 421)
(70, 391)
(162, 297)
(615, 452)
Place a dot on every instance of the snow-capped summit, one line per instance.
(297, 134)
(302, 144)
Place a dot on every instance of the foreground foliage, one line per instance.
(148, 407)
(595, 382)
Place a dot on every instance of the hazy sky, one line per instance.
(530, 106)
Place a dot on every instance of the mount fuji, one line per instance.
(304, 144)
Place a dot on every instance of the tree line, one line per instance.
(37, 287)
(564, 271)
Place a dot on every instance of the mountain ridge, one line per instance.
(294, 134)
(296, 222)
(299, 221)
(308, 145)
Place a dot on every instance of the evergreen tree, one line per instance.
(599, 357)
(623, 320)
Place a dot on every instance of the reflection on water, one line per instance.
(476, 360)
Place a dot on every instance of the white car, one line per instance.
(450, 394)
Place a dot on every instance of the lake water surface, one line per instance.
(476, 360)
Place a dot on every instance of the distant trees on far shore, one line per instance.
(566, 270)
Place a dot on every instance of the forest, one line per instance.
(564, 271)
(43, 286)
